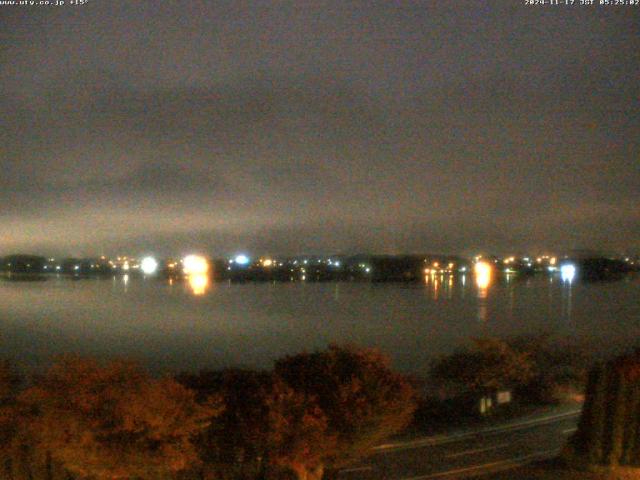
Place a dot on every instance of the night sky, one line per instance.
(326, 127)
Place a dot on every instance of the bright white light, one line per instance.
(195, 265)
(567, 272)
(242, 259)
(149, 265)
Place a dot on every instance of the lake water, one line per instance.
(194, 325)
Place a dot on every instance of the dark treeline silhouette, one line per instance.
(82, 419)
(365, 268)
(603, 269)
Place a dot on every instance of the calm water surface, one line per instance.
(168, 327)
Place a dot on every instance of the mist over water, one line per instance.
(195, 325)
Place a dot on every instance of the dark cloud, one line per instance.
(387, 126)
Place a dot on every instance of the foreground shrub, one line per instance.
(364, 401)
(489, 364)
(235, 445)
(86, 420)
(314, 411)
(609, 428)
(299, 437)
(9, 412)
(560, 367)
(266, 429)
(112, 421)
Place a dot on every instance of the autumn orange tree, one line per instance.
(299, 439)
(113, 421)
(363, 399)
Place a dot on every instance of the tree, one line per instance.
(233, 446)
(266, 428)
(113, 421)
(363, 400)
(9, 411)
(489, 364)
(560, 366)
(298, 439)
(9, 383)
(609, 428)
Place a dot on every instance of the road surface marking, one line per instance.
(569, 430)
(444, 439)
(356, 469)
(501, 464)
(477, 450)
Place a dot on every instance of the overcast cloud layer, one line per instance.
(291, 127)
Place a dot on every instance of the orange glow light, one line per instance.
(195, 265)
(483, 271)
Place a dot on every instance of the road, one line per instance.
(469, 453)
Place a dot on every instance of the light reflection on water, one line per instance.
(198, 283)
(195, 324)
(484, 277)
(484, 281)
(483, 272)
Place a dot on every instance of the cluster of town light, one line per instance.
(442, 269)
(196, 267)
(191, 265)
